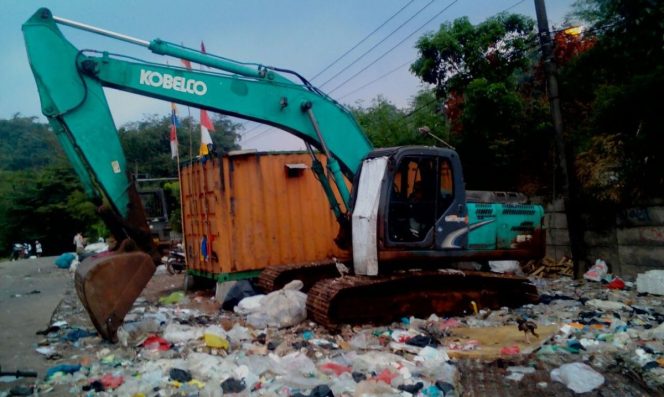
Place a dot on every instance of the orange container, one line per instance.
(247, 211)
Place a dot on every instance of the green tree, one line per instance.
(147, 142)
(48, 205)
(493, 104)
(611, 96)
(386, 125)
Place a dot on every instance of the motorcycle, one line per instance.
(176, 260)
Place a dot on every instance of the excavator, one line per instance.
(406, 218)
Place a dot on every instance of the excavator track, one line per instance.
(274, 278)
(383, 299)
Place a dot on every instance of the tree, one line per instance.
(612, 100)
(146, 143)
(386, 125)
(48, 205)
(493, 106)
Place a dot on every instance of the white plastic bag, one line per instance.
(579, 377)
(597, 272)
(283, 308)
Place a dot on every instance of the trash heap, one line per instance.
(584, 330)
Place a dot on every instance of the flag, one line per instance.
(206, 139)
(186, 63)
(203, 47)
(174, 134)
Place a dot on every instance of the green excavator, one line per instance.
(407, 218)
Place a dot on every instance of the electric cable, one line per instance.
(363, 40)
(379, 43)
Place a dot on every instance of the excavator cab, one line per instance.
(422, 199)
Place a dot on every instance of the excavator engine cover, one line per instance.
(108, 285)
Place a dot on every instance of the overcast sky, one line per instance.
(302, 35)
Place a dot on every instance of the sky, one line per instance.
(301, 35)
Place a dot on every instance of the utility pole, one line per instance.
(563, 161)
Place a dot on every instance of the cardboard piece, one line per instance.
(490, 341)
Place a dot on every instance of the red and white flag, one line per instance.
(174, 131)
(206, 127)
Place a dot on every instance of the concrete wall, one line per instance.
(633, 245)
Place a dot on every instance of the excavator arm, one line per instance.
(70, 83)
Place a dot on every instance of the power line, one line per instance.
(395, 46)
(376, 79)
(363, 40)
(377, 44)
(512, 6)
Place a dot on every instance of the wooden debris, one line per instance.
(548, 267)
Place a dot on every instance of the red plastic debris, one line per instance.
(154, 342)
(335, 368)
(111, 382)
(386, 376)
(616, 283)
(510, 350)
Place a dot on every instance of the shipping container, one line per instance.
(248, 210)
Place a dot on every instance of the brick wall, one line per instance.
(633, 245)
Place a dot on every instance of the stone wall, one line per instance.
(635, 244)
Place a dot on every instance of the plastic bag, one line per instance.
(249, 305)
(505, 266)
(283, 308)
(579, 377)
(242, 289)
(64, 261)
(597, 272)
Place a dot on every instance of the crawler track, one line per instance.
(274, 278)
(383, 299)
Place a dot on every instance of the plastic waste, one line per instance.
(651, 282)
(579, 377)
(616, 283)
(110, 381)
(215, 337)
(597, 271)
(242, 289)
(283, 308)
(446, 387)
(249, 305)
(64, 368)
(179, 375)
(504, 266)
(510, 350)
(374, 388)
(606, 305)
(172, 298)
(412, 388)
(131, 333)
(64, 261)
(318, 391)
(154, 342)
(177, 333)
(232, 385)
(239, 333)
(334, 368)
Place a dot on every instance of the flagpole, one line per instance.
(184, 234)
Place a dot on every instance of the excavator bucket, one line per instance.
(108, 285)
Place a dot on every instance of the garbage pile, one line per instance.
(580, 331)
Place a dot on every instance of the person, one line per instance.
(17, 251)
(27, 248)
(38, 248)
(79, 242)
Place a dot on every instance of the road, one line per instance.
(24, 311)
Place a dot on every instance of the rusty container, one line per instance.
(245, 211)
